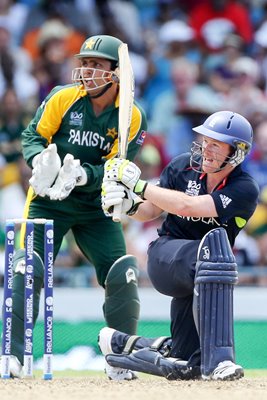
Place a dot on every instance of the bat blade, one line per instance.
(126, 98)
(125, 108)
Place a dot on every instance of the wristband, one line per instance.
(134, 207)
(140, 188)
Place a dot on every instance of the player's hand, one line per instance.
(46, 166)
(126, 172)
(114, 193)
(70, 174)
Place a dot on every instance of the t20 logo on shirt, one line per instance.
(193, 188)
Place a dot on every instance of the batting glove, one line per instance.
(70, 175)
(46, 166)
(113, 194)
(126, 172)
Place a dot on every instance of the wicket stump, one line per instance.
(28, 296)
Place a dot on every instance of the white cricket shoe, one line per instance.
(104, 340)
(225, 371)
(119, 374)
(16, 370)
(113, 373)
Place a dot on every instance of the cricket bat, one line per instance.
(125, 108)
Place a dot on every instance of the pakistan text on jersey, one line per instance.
(88, 139)
(205, 220)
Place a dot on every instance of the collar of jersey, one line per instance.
(236, 171)
(117, 101)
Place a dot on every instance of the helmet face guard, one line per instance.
(197, 154)
(92, 78)
(99, 46)
(226, 127)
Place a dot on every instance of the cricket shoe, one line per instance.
(113, 373)
(16, 369)
(225, 371)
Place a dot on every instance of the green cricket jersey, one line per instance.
(66, 117)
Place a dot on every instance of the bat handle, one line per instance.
(117, 213)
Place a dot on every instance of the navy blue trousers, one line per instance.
(171, 268)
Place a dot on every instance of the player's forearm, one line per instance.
(32, 144)
(95, 175)
(179, 203)
(147, 212)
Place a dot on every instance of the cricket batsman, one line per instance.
(208, 199)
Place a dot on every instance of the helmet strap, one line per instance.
(105, 88)
(238, 157)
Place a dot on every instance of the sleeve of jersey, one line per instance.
(236, 200)
(46, 121)
(136, 137)
(169, 178)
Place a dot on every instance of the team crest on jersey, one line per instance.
(76, 118)
(112, 133)
(193, 188)
(141, 138)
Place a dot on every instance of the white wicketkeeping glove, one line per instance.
(114, 193)
(46, 166)
(70, 175)
(126, 172)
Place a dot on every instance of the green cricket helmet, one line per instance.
(102, 46)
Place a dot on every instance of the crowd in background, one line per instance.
(190, 58)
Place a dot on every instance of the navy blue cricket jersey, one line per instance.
(235, 200)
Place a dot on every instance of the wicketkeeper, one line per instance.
(208, 200)
(73, 133)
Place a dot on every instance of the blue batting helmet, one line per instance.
(232, 128)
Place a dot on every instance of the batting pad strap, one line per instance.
(176, 369)
(156, 345)
(130, 344)
(143, 360)
(152, 362)
(208, 276)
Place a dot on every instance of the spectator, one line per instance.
(175, 39)
(54, 65)
(123, 12)
(62, 9)
(15, 70)
(245, 95)
(260, 53)
(256, 166)
(179, 108)
(214, 20)
(12, 122)
(217, 67)
(257, 228)
(13, 15)
(14, 178)
(53, 28)
(256, 163)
